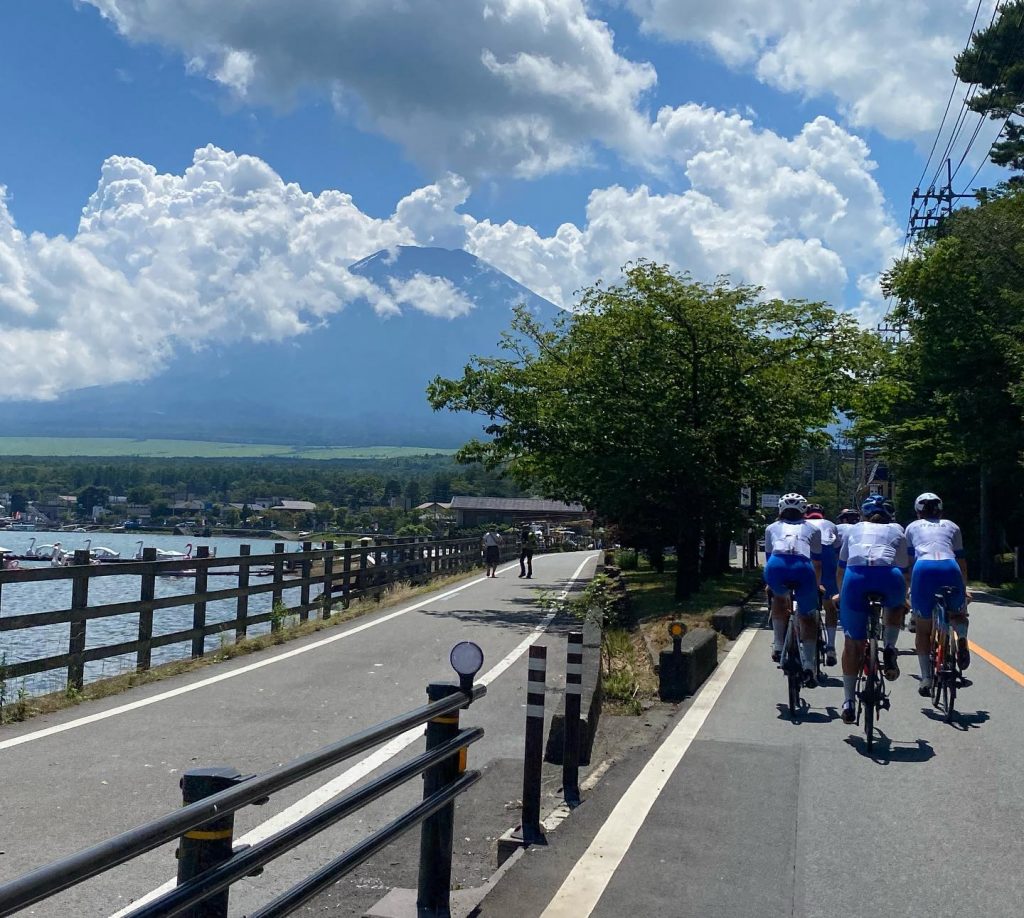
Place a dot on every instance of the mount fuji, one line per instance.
(358, 379)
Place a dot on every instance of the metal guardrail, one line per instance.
(207, 861)
(344, 574)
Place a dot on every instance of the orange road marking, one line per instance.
(1004, 668)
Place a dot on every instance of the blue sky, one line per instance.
(771, 141)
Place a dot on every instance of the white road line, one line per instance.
(364, 767)
(579, 894)
(231, 674)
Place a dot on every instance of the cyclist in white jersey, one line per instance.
(793, 550)
(830, 544)
(844, 523)
(873, 559)
(936, 550)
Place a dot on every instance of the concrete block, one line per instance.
(728, 621)
(681, 674)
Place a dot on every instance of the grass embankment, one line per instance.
(630, 681)
(112, 447)
(1013, 591)
(17, 706)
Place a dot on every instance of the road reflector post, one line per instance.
(433, 890)
(571, 731)
(209, 844)
(531, 830)
(671, 667)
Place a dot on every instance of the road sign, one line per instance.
(745, 496)
(770, 501)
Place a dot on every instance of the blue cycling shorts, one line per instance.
(829, 559)
(928, 578)
(782, 570)
(853, 601)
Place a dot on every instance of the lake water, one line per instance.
(49, 596)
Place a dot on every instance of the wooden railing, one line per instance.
(337, 575)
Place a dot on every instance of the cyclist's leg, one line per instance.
(776, 575)
(923, 587)
(894, 588)
(828, 581)
(807, 608)
(854, 616)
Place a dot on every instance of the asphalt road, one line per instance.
(66, 790)
(765, 817)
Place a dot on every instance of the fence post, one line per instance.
(199, 609)
(435, 874)
(571, 733)
(276, 594)
(209, 844)
(346, 569)
(533, 759)
(328, 577)
(79, 601)
(242, 606)
(147, 592)
(304, 592)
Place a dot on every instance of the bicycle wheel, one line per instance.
(794, 695)
(936, 658)
(951, 677)
(868, 702)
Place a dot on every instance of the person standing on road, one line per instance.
(492, 551)
(793, 549)
(936, 549)
(527, 546)
(830, 543)
(873, 559)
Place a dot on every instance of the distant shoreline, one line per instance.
(118, 447)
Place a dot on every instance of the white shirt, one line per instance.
(874, 545)
(829, 532)
(934, 540)
(797, 537)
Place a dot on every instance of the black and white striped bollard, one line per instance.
(571, 734)
(533, 761)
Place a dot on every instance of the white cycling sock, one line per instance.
(808, 653)
(892, 635)
(779, 630)
(925, 662)
(849, 687)
(830, 636)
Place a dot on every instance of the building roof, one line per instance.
(301, 506)
(518, 504)
(431, 504)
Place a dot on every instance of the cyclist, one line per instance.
(793, 549)
(936, 550)
(830, 544)
(844, 522)
(873, 554)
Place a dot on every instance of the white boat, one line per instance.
(42, 552)
(101, 553)
(23, 527)
(163, 554)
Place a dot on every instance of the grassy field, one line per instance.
(181, 449)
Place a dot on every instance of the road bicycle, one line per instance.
(822, 643)
(946, 674)
(791, 664)
(872, 696)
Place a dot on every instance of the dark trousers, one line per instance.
(526, 562)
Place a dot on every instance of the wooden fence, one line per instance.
(339, 575)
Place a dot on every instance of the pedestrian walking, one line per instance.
(527, 545)
(492, 544)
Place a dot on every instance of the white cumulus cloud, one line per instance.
(521, 86)
(887, 64)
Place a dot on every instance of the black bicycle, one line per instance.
(872, 696)
(791, 664)
(946, 674)
(819, 663)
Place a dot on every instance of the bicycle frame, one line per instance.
(872, 697)
(944, 653)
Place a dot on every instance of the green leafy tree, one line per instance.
(656, 399)
(948, 404)
(92, 496)
(995, 61)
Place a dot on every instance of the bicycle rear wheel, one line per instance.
(869, 702)
(951, 677)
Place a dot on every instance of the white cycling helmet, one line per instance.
(927, 498)
(793, 501)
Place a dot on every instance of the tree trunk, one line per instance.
(688, 562)
(986, 551)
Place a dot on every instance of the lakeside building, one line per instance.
(473, 511)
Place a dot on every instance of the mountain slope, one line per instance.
(358, 380)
